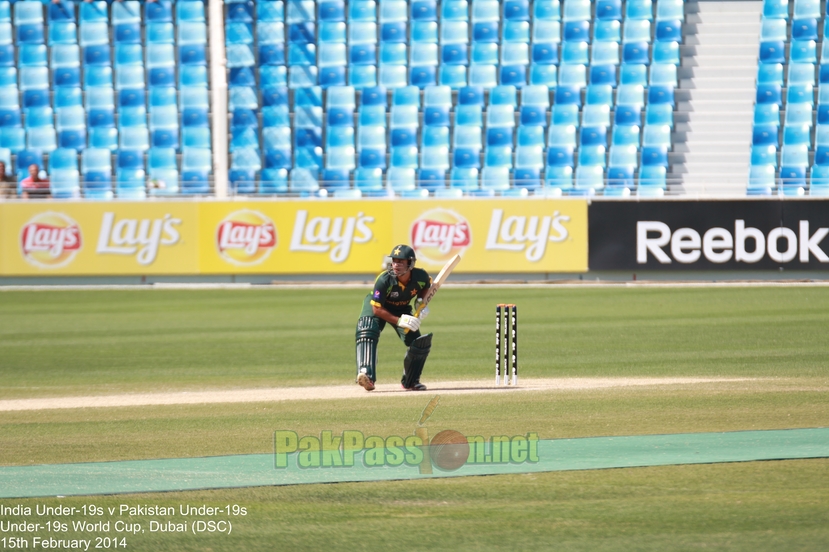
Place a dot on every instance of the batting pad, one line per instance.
(252, 470)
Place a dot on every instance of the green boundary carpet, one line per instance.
(181, 474)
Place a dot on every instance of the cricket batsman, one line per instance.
(390, 302)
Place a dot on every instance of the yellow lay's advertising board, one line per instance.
(288, 237)
(293, 237)
(41, 238)
(496, 236)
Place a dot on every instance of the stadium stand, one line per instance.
(90, 93)
(419, 97)
(789, 138)
(473, 96)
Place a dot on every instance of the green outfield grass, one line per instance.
(99, 342)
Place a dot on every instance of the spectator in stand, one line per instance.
(8, 187)
(34, 187)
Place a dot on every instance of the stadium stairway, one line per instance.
(715, 99)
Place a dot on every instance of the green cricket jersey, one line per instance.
(395, 298)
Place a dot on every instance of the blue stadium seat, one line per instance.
(435, 137)
(800, 93)
(97, 185)
(609, 10)
(770, 73)
(464, 179)
(761, 179)
(74, 138)
(39, 117)
(639, 9)
(656, 135)
(603, 75)
(819, 181)
(598, 94)
(659, 114)
(335, 179)
(773, 52)
(592, 156)
(620, 177)
(10, 117)
(654, 156)
(596, 115)
(61, 11)
(637, 31)
(803, 51)
(633, 73)
(70, 117)
(623, 156)
(575, 31)
(806, 8)
(765, 135)
(43, 138)
(670, 9)
(572, 76)
(652, 179)
(776, 9)
(558, 178)
(666, 52)
(560, 156)
(530, 136)
(664, 74)
(801, 73)
(273, 180)
(130, 159)
(589, 177)
(546, 75)
(661, 94)
(561, 135)
(669, 31)
(605, 53)
(804, 29)
(63, 158)
(64, 183)
(498, 156)
(369, 180)
(162, 11)
(32, 55)
(769, 93)
(94, 11)
(794, 155)
(764, 155)
(799, 114)
(631, 95)
(105, 137)
(160, 33)
(404, 157)
(607, 31)
(797, 135)
(636, 53)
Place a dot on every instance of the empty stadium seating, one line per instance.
(791, 112)
(476, 97)
(87, 85)
(390, 97)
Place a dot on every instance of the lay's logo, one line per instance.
(245, 237)
(50, 240)
(439, 234)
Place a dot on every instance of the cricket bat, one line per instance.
(436, 283)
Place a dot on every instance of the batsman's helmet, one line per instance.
(402, 251)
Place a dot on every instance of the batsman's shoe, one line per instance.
(416, 387)
(365, 382)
